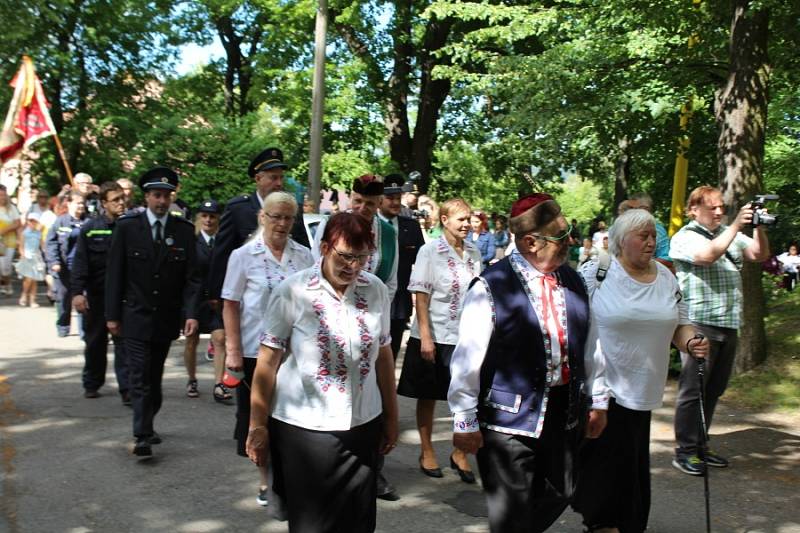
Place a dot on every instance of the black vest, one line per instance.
(514, 372)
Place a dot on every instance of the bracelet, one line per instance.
(256, 428)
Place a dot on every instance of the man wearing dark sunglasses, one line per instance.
(517, 383)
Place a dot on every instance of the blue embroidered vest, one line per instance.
(514, 372)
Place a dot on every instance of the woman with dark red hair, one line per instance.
(479, 236)
(325, 378)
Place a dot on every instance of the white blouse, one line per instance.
(440, 272)
(327, 380)
(253, 274)
(627, 352)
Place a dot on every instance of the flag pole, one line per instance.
(63, 158)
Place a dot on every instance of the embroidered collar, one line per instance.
(528, 270)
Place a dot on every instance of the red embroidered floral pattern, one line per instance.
(332, 369)
(366, 338)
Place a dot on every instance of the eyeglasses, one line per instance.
(352, 258)
(280, 218)
(559, 239)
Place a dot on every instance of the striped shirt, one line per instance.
(712, 292)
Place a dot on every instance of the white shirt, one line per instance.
(327, 381)
(790, 262)
(374, 259)
(441, 273)
(253, 274)
(475, 332)
(597, 238)
(207, 237)
(627, 351)
(151, 219)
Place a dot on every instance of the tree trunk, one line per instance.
(622, 174)
(741, 114)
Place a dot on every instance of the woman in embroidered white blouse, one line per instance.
(325, 378)
(254, 271)
(440, 279)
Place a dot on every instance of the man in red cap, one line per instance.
(517, 387)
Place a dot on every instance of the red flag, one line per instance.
(28, 119)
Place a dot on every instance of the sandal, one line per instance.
(191, 389)
(221, 393)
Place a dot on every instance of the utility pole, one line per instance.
(317, 105)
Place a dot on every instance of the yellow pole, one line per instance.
(680, 177)
(681, 174)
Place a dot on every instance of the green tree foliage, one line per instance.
(579, 199)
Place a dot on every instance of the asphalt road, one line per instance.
(66, 465)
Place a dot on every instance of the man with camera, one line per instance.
(708, 257)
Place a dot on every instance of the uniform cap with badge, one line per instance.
(394, 184)
(210, 206)
(159, 178)
(266, 160)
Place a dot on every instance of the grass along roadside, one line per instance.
(775, 385)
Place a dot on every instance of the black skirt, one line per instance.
(614, 473)
(209, 319)
(422, 379)
(326, 478)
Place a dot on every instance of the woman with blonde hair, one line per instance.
(442, 274)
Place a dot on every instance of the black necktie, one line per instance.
(211, 242)
(157, 239)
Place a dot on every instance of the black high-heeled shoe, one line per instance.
(430, 472)
(466, 476)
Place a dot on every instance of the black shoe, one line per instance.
(717, 461)
(141, 448)
(126, 398)
(89, 393)
(385, 490)
(261, 498)
(430, 472)
(689, 464)
(466, 475)
(155, 438)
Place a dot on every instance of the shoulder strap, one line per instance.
(603, 264)
(709, 236)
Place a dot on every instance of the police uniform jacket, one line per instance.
(91, 252)
(148, 286)
(409, 241)
(60, 246)
(238, 222)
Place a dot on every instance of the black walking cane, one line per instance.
(702, 449)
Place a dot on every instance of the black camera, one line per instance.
(760, 216)
(419, 214)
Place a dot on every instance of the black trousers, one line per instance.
(397, 327)
(145, 370)
(326, 478)
(95, 353)
(243, 405)
(528, 481)
(614, 473)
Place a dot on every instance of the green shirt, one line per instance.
(712, 292)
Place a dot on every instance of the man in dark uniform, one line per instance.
(240, 218)
(59, 253)
(87, 285)
(410, 240)
(152, 278)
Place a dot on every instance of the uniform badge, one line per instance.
(169, 241)
(165, 180)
